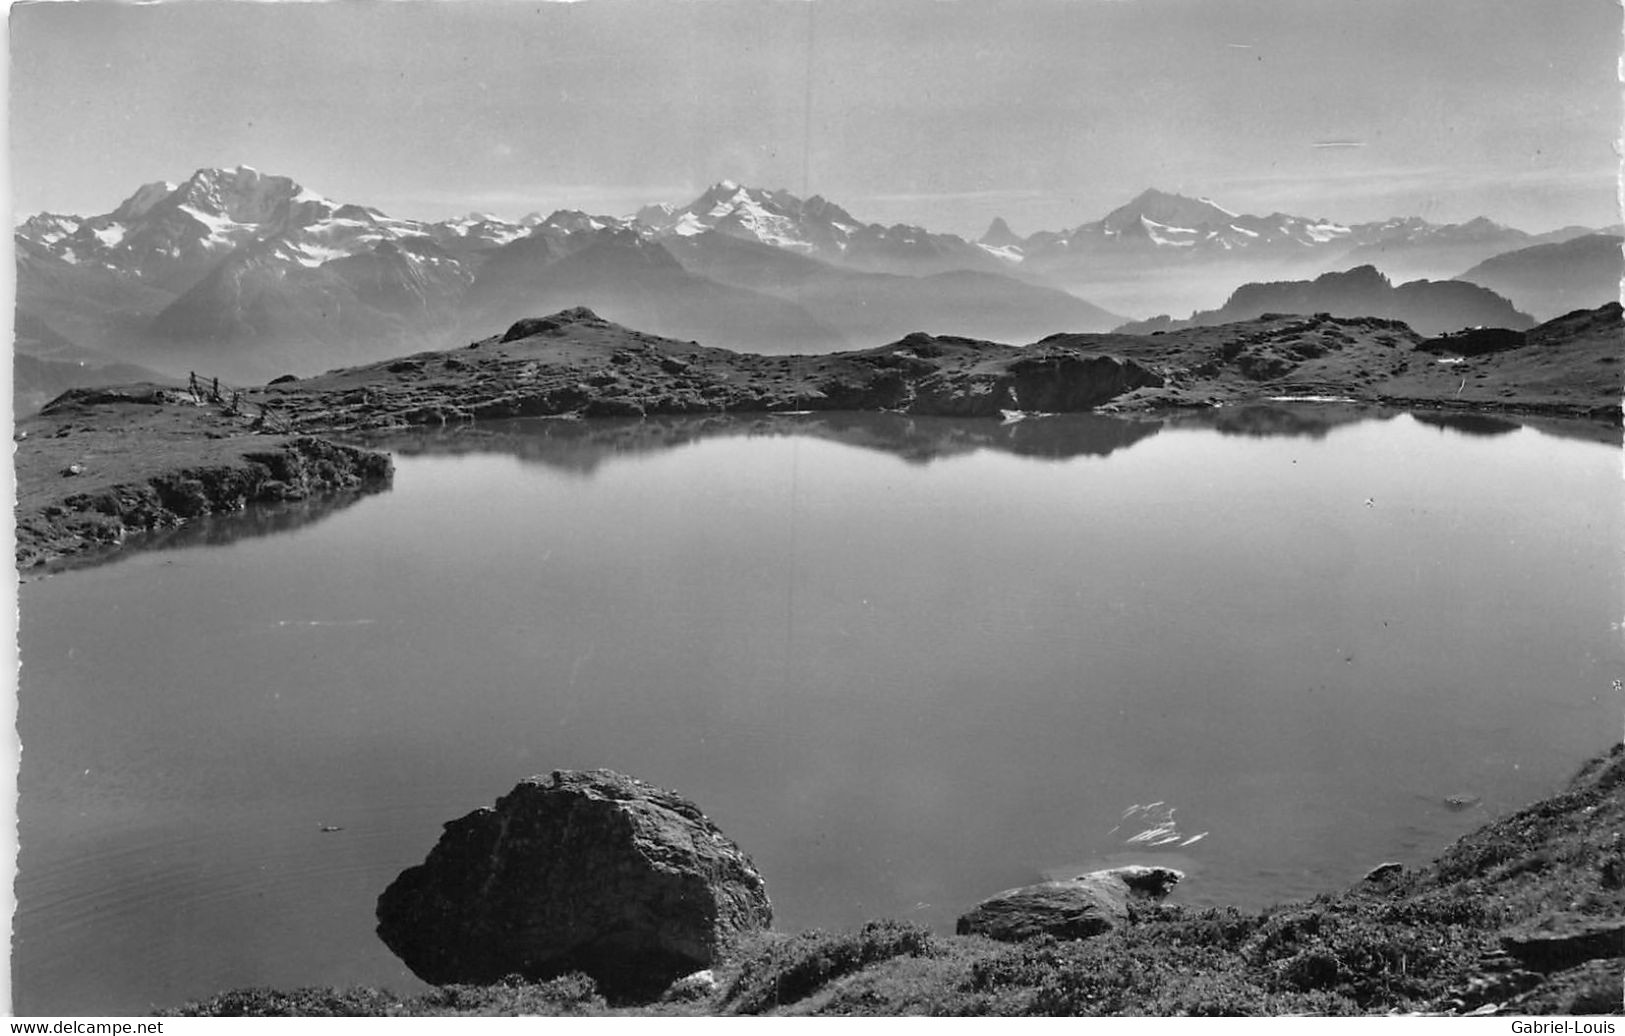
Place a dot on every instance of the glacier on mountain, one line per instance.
(165, 238)
(1325, 232)
(1163, 234)
(1008, 253)
(219, 227)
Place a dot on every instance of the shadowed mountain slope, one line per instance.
(639, 283)
(879, 307)
(1552, 279)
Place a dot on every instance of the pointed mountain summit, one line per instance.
(775, 217)
(814, 227)
(999, 235)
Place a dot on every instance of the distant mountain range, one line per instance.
(1160, 251)
(248, 275)
(817, 228)
(1173, 227)
(252, 275)
(1429, 307)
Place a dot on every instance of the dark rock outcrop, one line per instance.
(1565, 941)
(1066, 382)
(529, 326)
(1043, 378)
(589, 871)
(1474, 341)
(1087, 905)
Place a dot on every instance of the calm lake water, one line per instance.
(904, 663)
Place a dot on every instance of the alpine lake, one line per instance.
(904, 662)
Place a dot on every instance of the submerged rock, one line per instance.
(588, 871)
(1087, 905)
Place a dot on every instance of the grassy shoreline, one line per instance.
(1525, 915)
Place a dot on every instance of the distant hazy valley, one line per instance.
(246, 276)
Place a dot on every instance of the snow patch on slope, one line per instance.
(1009, 253)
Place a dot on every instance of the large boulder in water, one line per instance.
(588, 871)
(1078, 908)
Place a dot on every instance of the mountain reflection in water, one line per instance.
(1317, 420)
(583, 445)
(1273, 420)
(1469, 424)
(215, 530)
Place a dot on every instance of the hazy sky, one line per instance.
(941, 112)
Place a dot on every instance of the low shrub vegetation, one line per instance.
(1429, 940)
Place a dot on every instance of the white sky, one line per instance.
(940, 112)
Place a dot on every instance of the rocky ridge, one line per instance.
(575, 364)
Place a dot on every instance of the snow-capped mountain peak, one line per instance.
(815, 226)
(576, 221)
(1001, 242)
(166, 234)
(774, 217)
(1166, 210)
(243, 194)
(142, 201)
(657, 216)
(47, 228)
(1162, 221)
